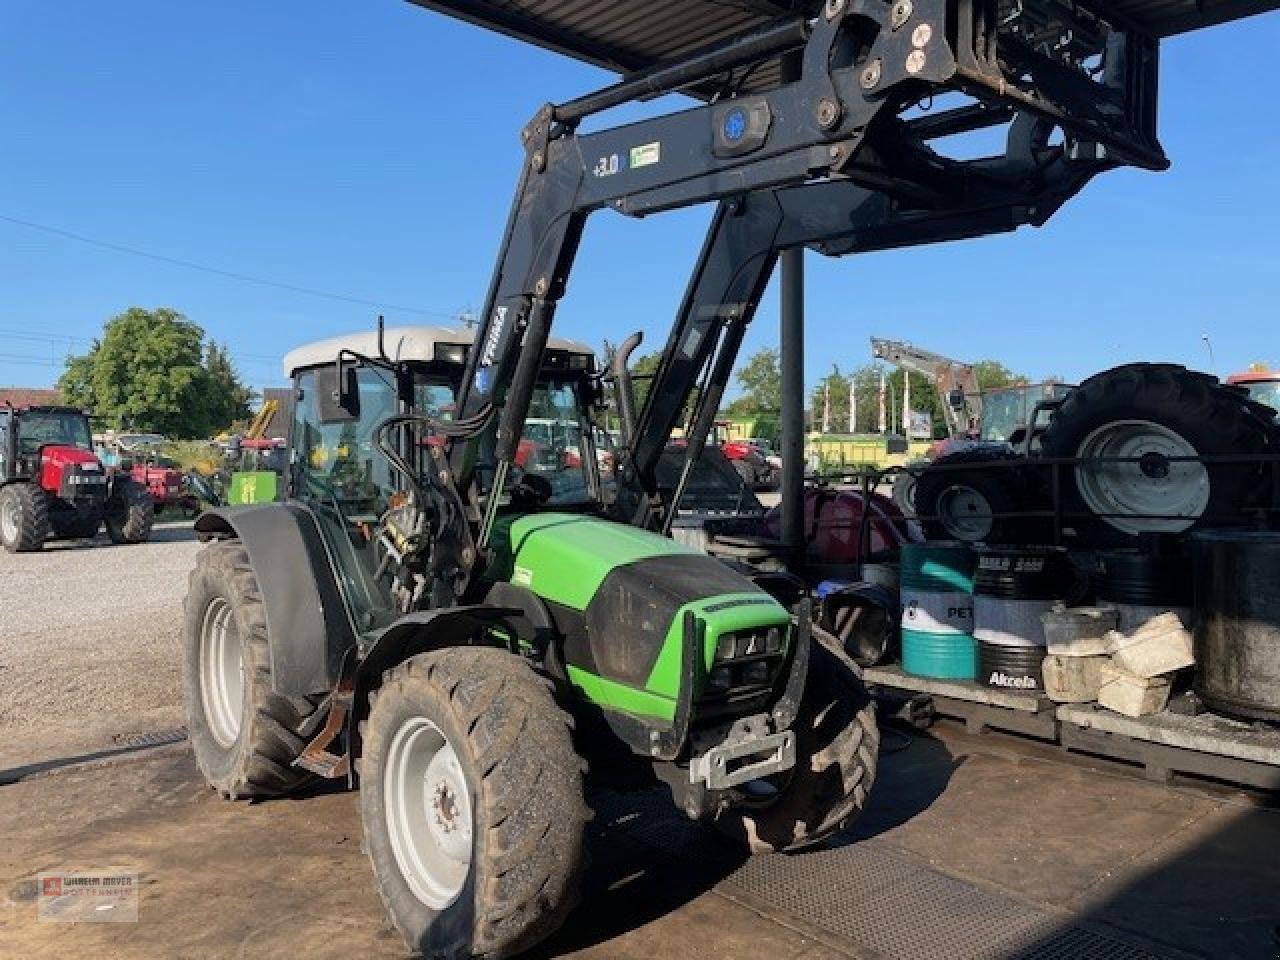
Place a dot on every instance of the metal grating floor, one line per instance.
(879, 902)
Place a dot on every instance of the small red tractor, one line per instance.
(52, 483)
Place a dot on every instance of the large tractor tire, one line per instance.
(837, 748)
(972, 505)
(484, 861)
(130, 512)
(1153, 412)
(24, 517)
(245, 735)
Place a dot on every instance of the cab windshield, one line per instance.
(37, 429)
(551, 445)
(1267, 392)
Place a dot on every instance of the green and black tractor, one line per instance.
(447, 609)
(318, 643)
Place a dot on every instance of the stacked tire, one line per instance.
(1159, 416)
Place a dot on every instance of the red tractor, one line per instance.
(51, 482)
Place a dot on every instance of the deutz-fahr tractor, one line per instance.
(459, 626)
(52, 483)
(469, 724)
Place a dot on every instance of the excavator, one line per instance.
(424, 618)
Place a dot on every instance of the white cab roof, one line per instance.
(401, 343)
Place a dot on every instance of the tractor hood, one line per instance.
(59, 463)
(620, 595)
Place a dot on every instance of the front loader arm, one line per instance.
(841, 127)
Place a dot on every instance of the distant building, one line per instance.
(30, 396)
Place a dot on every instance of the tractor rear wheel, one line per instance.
(472, 801)
(24, 517)
(130, 512)
(245, 735)
(972, 505)
(837, 749)
(1154, 413)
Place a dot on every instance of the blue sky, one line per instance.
(369, 150)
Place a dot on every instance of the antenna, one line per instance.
(382, 331)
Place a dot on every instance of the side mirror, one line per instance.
(337, 393)
(956, 399)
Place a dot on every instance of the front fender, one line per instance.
(309, 629)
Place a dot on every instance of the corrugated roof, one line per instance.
(627, 35)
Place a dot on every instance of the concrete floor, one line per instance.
(959, 823)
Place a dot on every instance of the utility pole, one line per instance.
(853, 406)
(906, 404)
(826, 407)
(883, 425)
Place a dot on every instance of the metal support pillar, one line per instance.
(791, 348)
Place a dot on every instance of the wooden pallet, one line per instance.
(1162, 745)
(1167, 743)
(979, 706)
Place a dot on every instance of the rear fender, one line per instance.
(309, 629)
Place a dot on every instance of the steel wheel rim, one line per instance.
(428, 810)
(10, 520)
(1180, 491)
(221, 672)
(965, 513)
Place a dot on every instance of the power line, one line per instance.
(216, 271)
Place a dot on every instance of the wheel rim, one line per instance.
(428, 810)
(221, 672)
(965, 513)
(10, 519)
(1131, 492)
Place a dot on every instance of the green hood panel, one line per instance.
(564, 557)
(620, 595)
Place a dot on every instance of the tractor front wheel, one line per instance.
(130, 512)
(472, 801)
(245, 736)
(24, 517)
(837, 748)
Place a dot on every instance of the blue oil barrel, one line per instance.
(937, 611)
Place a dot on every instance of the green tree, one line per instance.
(761, 381)
(992, 375)
(150, 371)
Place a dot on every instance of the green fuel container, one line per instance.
(937, 611)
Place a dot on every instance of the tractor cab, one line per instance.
(365, 431)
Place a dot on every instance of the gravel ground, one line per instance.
(89, 643)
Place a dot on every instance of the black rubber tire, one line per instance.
(837, 749)
(130, 512)
(74, 524)
(529, 815)
(1007, 490)
(904, 487)
(1212, 417)
(33, 517)
(259, 764)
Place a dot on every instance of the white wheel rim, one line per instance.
(428, 810)
(221, 672)
(10, 519)
(965, 513)
(1135, 492)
